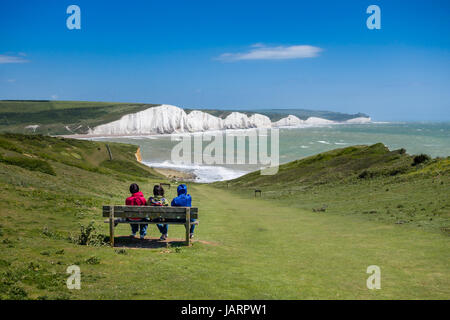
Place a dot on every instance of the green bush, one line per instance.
(17, 293)
(29, 164)
(89, 237)
(52, 234)
(9, 146)
(421, 158)
(93, 260)
(121, 251)
(365, 175)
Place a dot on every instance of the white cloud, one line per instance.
(11, 80)
(261, 52)
(54, 96)
(11, 59)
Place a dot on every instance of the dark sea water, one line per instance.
(296, 143)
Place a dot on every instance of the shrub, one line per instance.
(89, 237)
(365, 175)
(51, 234)
(29, 164)
(398, 170)
(4, 263)
(421, 158)
(121, 251)
(17, 293)
(5, 144)
(93, 260)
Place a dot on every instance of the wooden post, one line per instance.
(188, 226)
(111, 225)
(109, 152)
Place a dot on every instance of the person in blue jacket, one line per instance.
(183, 200)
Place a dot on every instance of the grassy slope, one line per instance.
(54, 116)
(257, 249)
(368, 181)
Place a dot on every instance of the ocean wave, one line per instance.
(203, 173)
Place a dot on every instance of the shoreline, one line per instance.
(131, 135)
(172, 174)
(176, 175)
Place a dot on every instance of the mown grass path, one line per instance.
(260, 250)
(282, 252)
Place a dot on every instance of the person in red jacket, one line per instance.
(137, 199)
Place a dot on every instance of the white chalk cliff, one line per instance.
(259, 121)
(315, 120)
(171, 119)
(360, 120)
(202, 121)
(289, 121)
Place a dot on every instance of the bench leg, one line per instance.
(188, 226)
(111, 226)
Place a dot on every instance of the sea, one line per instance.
(295, 143)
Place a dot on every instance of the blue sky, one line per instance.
(233, 54)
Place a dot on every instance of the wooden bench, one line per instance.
(154, 215)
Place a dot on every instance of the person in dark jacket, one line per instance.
(159, 201)
(183, 200)
(137, 199)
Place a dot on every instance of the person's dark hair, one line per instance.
(134, 188)
(158, 191)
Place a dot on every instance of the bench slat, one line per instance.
(149, 212)
(169, 215)
(154, 222)
(154, 215)
(148, 209)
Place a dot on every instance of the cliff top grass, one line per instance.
(61, 117)
(343, 165)
(42, 153)
(370, 181)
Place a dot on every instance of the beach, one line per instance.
(294, 143)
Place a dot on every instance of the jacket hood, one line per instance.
(182, 189)
(138, 194)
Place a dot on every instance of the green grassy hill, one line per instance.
(61, 117)
(334, 165)
(274, 247)
(372, 181)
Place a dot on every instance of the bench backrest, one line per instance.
(178, 213)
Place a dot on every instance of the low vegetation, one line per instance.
(29, 164)
(273, 247)
(369, 181)
(61, 117)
